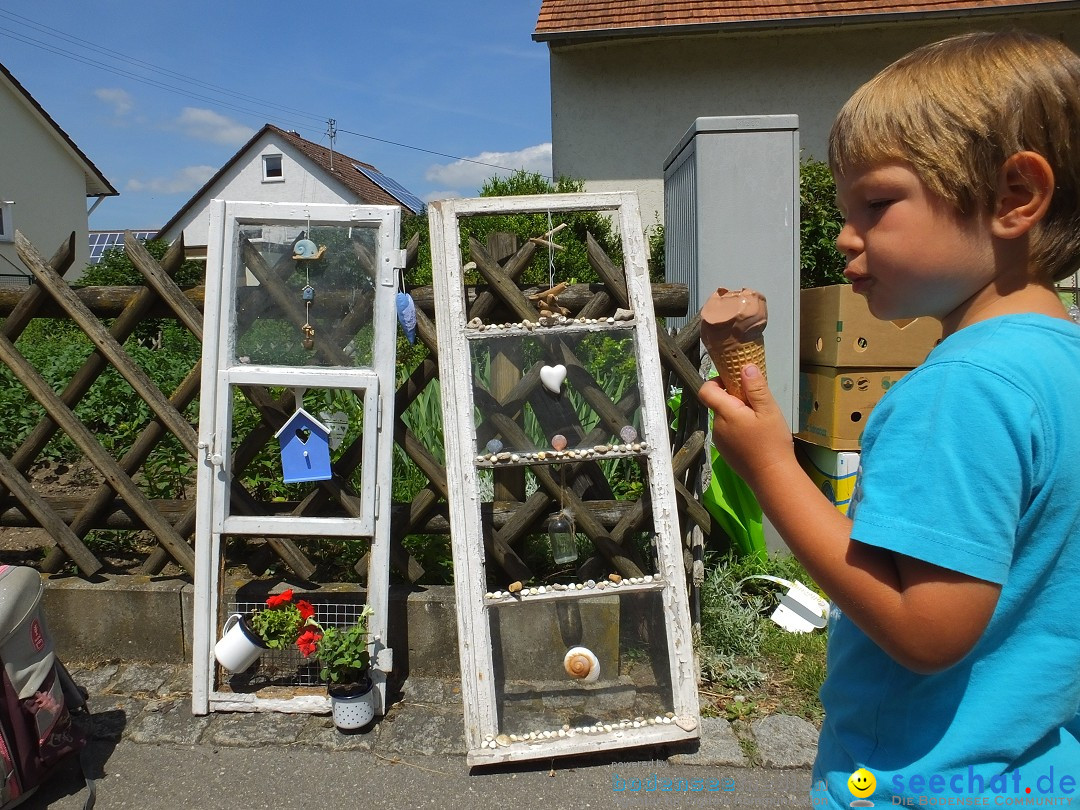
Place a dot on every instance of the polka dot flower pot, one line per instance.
(354, 708)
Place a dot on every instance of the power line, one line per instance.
(261, 114)
(431, 151)
(135, 77)
(97, 49)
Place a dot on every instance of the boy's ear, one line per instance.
(1025, 186)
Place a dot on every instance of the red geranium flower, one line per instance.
(308, 642)
(306, 610)
(280, 599)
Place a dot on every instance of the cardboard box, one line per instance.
(834, 403)
(837, 329)
(834, 471)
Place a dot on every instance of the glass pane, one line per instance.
(304, 295)
(281, 472)
(596, 510)
(622, 636)
(555, 392)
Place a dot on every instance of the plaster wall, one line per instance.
(44, 181)
(618, 107)
(243, 181)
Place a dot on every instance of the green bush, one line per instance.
(819, 225)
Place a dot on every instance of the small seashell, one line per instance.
(611, 320)
(494, 446)
(628, 433)
(590, 583)
(607, 727)
(541, 589)
(489, 595)
(558, 441)
(475, 323)
(498, 594)
(541, 455)
(582, 663)
(648, 577)
(624, 314)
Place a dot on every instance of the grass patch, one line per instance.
(751, 667)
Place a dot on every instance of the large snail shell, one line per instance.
(582, 663)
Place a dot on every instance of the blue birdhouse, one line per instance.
(305, 448)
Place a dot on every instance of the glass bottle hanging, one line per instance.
(561, 535)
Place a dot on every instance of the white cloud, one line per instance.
(207, 125)
(189, 179)
(120, 100)
(472, 172)
(431, 196)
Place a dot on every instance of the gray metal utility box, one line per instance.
(731, 219)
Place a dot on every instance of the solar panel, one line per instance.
(393, 187)
(100, 241)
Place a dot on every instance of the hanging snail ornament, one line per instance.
(582, 663)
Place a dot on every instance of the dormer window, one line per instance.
(272, 170)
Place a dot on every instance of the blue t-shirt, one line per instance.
(971, 462)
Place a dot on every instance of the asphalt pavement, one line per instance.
(148, 751)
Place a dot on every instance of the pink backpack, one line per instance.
(39, 696)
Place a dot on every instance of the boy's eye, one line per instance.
(878, 205)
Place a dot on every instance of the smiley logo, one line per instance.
(861, 783)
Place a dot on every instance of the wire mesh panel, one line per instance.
(287, 667)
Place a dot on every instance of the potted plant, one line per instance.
(273, 627)
(345, 665)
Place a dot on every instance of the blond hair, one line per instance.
(957, 109)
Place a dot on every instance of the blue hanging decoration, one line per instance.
(406, 314)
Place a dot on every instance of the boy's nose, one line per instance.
(847, 241)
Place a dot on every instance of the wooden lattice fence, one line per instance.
(108, 316)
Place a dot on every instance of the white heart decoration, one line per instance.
(552, 377)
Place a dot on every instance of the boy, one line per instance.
(954, 648)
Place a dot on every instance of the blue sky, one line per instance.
(159, 95)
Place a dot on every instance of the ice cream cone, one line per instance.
(732, 327)
(729, 364)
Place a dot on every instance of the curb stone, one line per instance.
(784, 741)
(718, 746)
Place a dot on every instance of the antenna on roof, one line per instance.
(331, 131)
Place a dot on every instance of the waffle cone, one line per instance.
(729, 364)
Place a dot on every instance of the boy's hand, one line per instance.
(751, 437)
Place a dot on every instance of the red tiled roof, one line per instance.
(341, 168)
(566, 18)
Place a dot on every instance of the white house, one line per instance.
(629, 77)
(280, 166)
(44, 182)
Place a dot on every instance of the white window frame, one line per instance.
(266, 176)
(7, 226)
